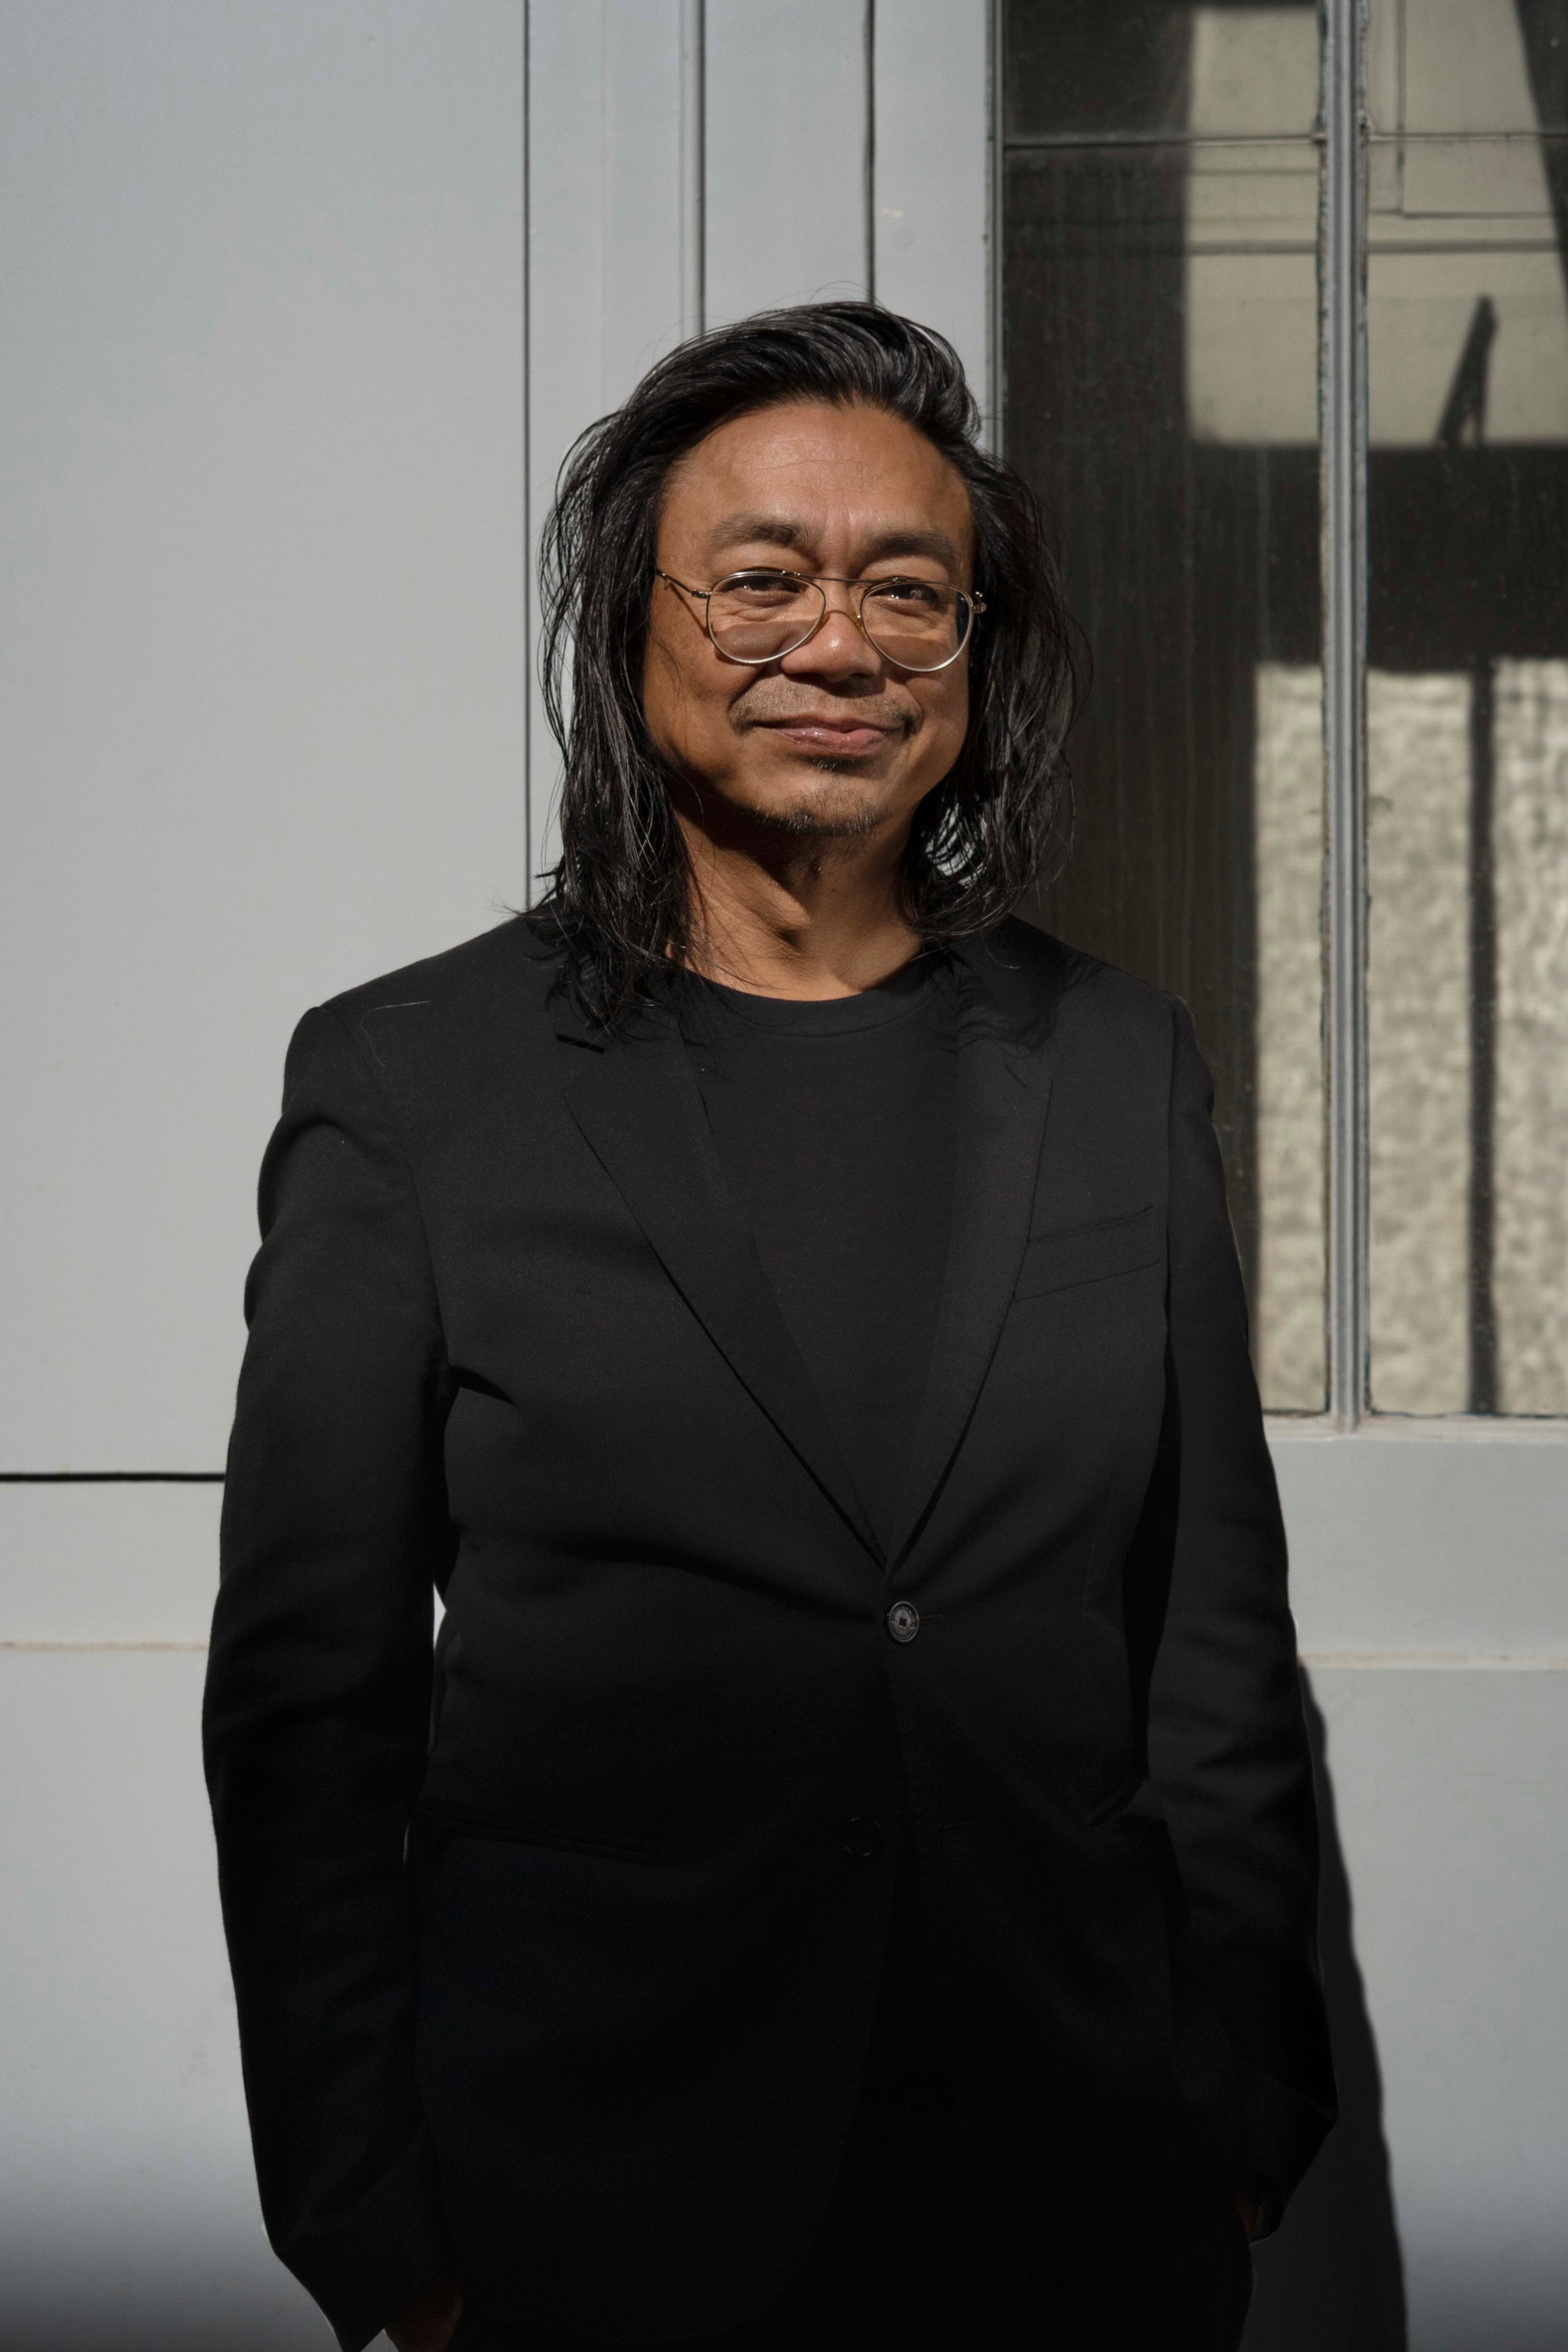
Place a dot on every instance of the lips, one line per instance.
(835, 735)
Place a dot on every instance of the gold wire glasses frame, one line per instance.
(759, 615)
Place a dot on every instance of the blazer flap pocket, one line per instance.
(1089, 1253)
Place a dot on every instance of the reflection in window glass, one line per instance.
(1529, 1241)
(1418, 732)
(1289, 1336)
(1160, 313)
(1468, 705)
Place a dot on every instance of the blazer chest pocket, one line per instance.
(1089, 1253)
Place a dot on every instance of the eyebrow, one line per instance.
(788, 531)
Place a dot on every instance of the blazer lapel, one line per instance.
(640, 1108)
(1003, 1095)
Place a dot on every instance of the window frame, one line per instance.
(1343, 139)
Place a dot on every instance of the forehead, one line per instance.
(844, 472)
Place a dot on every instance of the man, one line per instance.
(851, 1879)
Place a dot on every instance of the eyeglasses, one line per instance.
(759, 616)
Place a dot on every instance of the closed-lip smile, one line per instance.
(827, 732)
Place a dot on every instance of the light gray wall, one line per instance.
(272, 457)
(261, 613)
(1428, 1567)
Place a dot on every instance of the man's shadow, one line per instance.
(1333, 2275)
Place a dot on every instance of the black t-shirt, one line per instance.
(834, 1125)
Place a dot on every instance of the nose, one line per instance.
(839, 650)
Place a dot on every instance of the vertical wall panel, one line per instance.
(786, 107)
(260, 605)
(932, 181)
(609, 221)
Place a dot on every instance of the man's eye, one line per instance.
(762, 587)
(914, 595)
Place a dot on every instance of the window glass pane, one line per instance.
(1160, 313)
(1086, 70)
(1468, 705)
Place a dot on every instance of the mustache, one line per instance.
(759, 707)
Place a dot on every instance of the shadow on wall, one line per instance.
(1333, 2275)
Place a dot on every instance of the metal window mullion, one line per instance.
(693, 167)
(869, 182)
(531, 889)
(993, 404)
(1343, 402)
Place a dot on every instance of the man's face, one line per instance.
(832, 740)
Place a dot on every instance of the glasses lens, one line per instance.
(915, 623)
(756, 616)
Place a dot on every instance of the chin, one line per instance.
(833, 800)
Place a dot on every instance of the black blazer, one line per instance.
(560, 1963)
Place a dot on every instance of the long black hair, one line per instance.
(620, 899)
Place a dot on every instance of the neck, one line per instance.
(801, 916)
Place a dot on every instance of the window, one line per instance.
(1261, 268)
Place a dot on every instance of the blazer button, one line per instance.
(863, 1838)
(904, 1620)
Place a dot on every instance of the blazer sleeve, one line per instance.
(1228, 1738)
(316, 1711)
